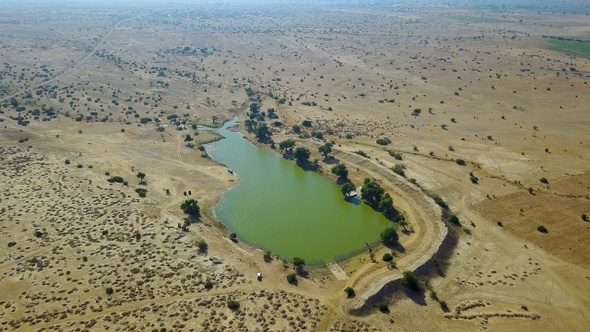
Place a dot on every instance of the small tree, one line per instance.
(203, 246)
(140, 176)
(292, 278)
(191, 207)
(325, 149)
(233, 304)
(383, 307)
(302, 155)
(387, 257)
(298, 263)
(340, 170)
(347, 188)
(389, 236)
(110, 291)
(411, 280)
(349, 292)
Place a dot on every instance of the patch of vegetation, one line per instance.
(190, 207)
(110, 291)
(389, 236)
(410, 280)
(349, 292)
(11, 244)
(233, 304)
(362, 153)
(440, 202)
(208, 284)
(116, 179)
(395, 155)
(570, 46)
(383, 141)
(460, 162)
(383, 306)
(292, 278)
(202, 245)
(399, 170)
(141, 192)
(387, 257)
(542, 229)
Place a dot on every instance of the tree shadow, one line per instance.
(340, 180)
(416, 295)
(331, 160)
(354, 200)
(302, 273)
(396, 247)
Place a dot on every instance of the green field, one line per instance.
(571, 47)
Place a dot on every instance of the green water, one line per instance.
(291, 212)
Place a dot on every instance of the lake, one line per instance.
(291, 212)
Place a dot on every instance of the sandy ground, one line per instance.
(123, 97)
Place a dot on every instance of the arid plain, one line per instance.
(486, 108)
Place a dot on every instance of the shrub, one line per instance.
(110, 291)
(544, 180)
(395, 155)
(584, 217)
(444, 306)
(190, 207)
(298, 262)
(399, 170)
(208, 284)
(387, 257)
(440, 202)
(389, 236)
(383, 141)
(349, 292)
(460, 162)
(116, 179)
(67, 161)
(267, 256)
(454, 219)
(233, 304)
(11, 244)
(542, 229)
(383, 307)
(411, 280)
(202, 245)
(292, 278)
(141, 192)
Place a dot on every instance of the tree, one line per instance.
(403, 223)
(372, 192)
(262, 132)
(203, 246)
(387, 257)
(140, 176)
(347, 188)
(411, 280)
(296, 129)
(190, 207)
(306, 123)
(254, 107)
(302, 155)
(349, 292)
(292, 278)
(340, 170)
(389, 236)
(325, 149)
(188, 138)
(287, 144)
(202, 149)
(233, 304)
(298, 262)
(386, 205)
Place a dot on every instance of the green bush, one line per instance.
(110, 291)
(233, 304)
(460, 162)
(349, 292)
(383, 307)
(202, 245)
(208, 284)
(411, 280)
(383, 141)
(190, 207)
(542, 229)
(116, 179)
(292, 278)
(387, 257)
(141, 192)
(399, 170)
(389, 236)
